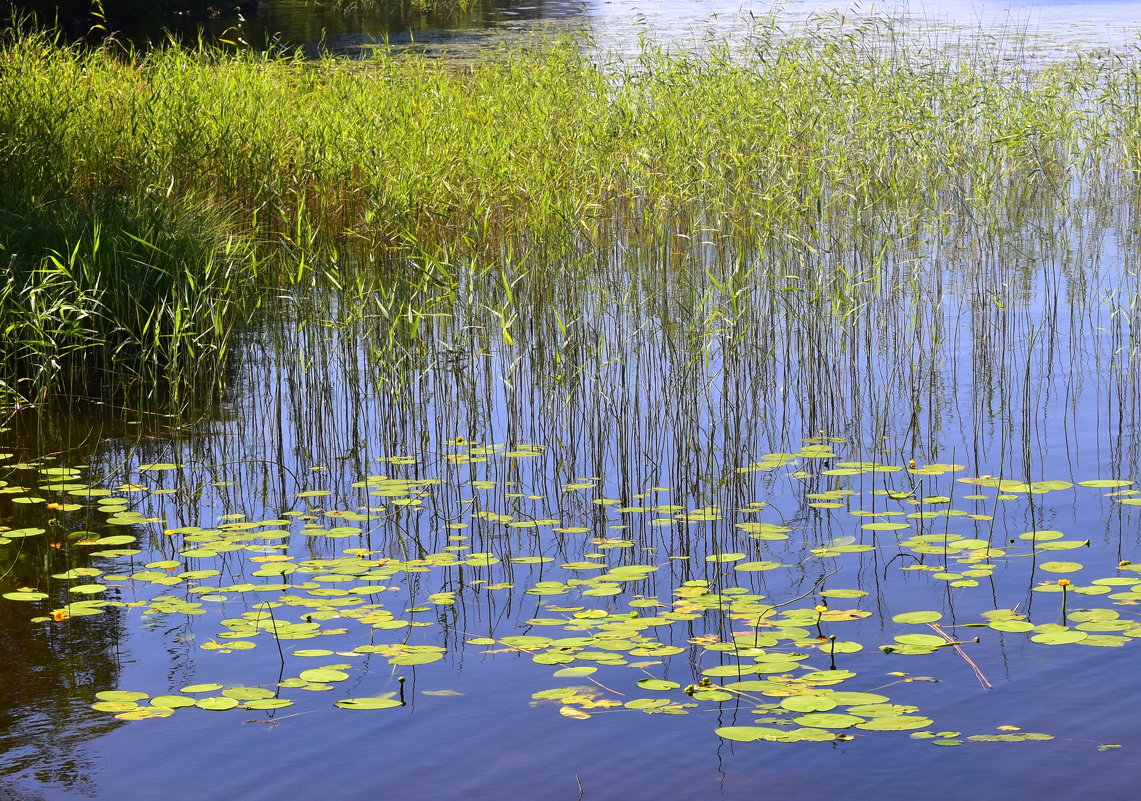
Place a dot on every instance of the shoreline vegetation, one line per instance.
(156, 202)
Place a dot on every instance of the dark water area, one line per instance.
(314, 28)
(296, 24)
(601, 451)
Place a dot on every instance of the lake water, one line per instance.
(583, 492)
(616, 25)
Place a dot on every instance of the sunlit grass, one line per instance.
(520, 158)
(104, 292)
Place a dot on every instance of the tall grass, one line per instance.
(107, 292)
(409, 169)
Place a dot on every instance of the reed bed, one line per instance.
(416, 180)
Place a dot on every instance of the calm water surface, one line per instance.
(616, 25)
(1009, 354)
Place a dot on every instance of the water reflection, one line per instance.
(296, 23)
(1044, 28)
(686, 359)
(616, 25)
(52, 671)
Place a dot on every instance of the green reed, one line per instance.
(446, 179)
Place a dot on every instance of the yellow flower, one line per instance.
(55, 505)
(821, 608)
(59, 616)
(1063, 582)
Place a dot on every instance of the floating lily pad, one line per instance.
(829, 720)
(267, 703)
(808, 703)
(215, 703)
(1013, 626)
(747, 734)
(1062, 637)
(657, 684)
(896, 723)
(201, 688)
(368, 703)
(121, 695)
(918, 617)
(1061, 567)
(25, 595)
(323, 675)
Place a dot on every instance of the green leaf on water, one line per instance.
(87, 589)
(657, 684)
(1012, 626)
(322, 675)
(646, 703)
(1041, 536)
(1103, 641)
(1060, 637)
(121, 695)
(201, 688)
(725, 557)
(922, 640)
(1061, 567)
(846, 698)
(114, 706)
(896, 723)
(843, 593)
(267, 703)
(918, 617)
(829, 720)
(215, 703)
(809, 703)
(25, 595)
(369, 703)
(748, 734)
(712, 695)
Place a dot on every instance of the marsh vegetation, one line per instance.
(780, 394)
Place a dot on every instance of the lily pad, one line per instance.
(369, 703)
(918, 617)
(215, 703)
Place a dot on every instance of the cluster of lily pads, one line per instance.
(610, 604)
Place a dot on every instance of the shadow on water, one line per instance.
(51, 671)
